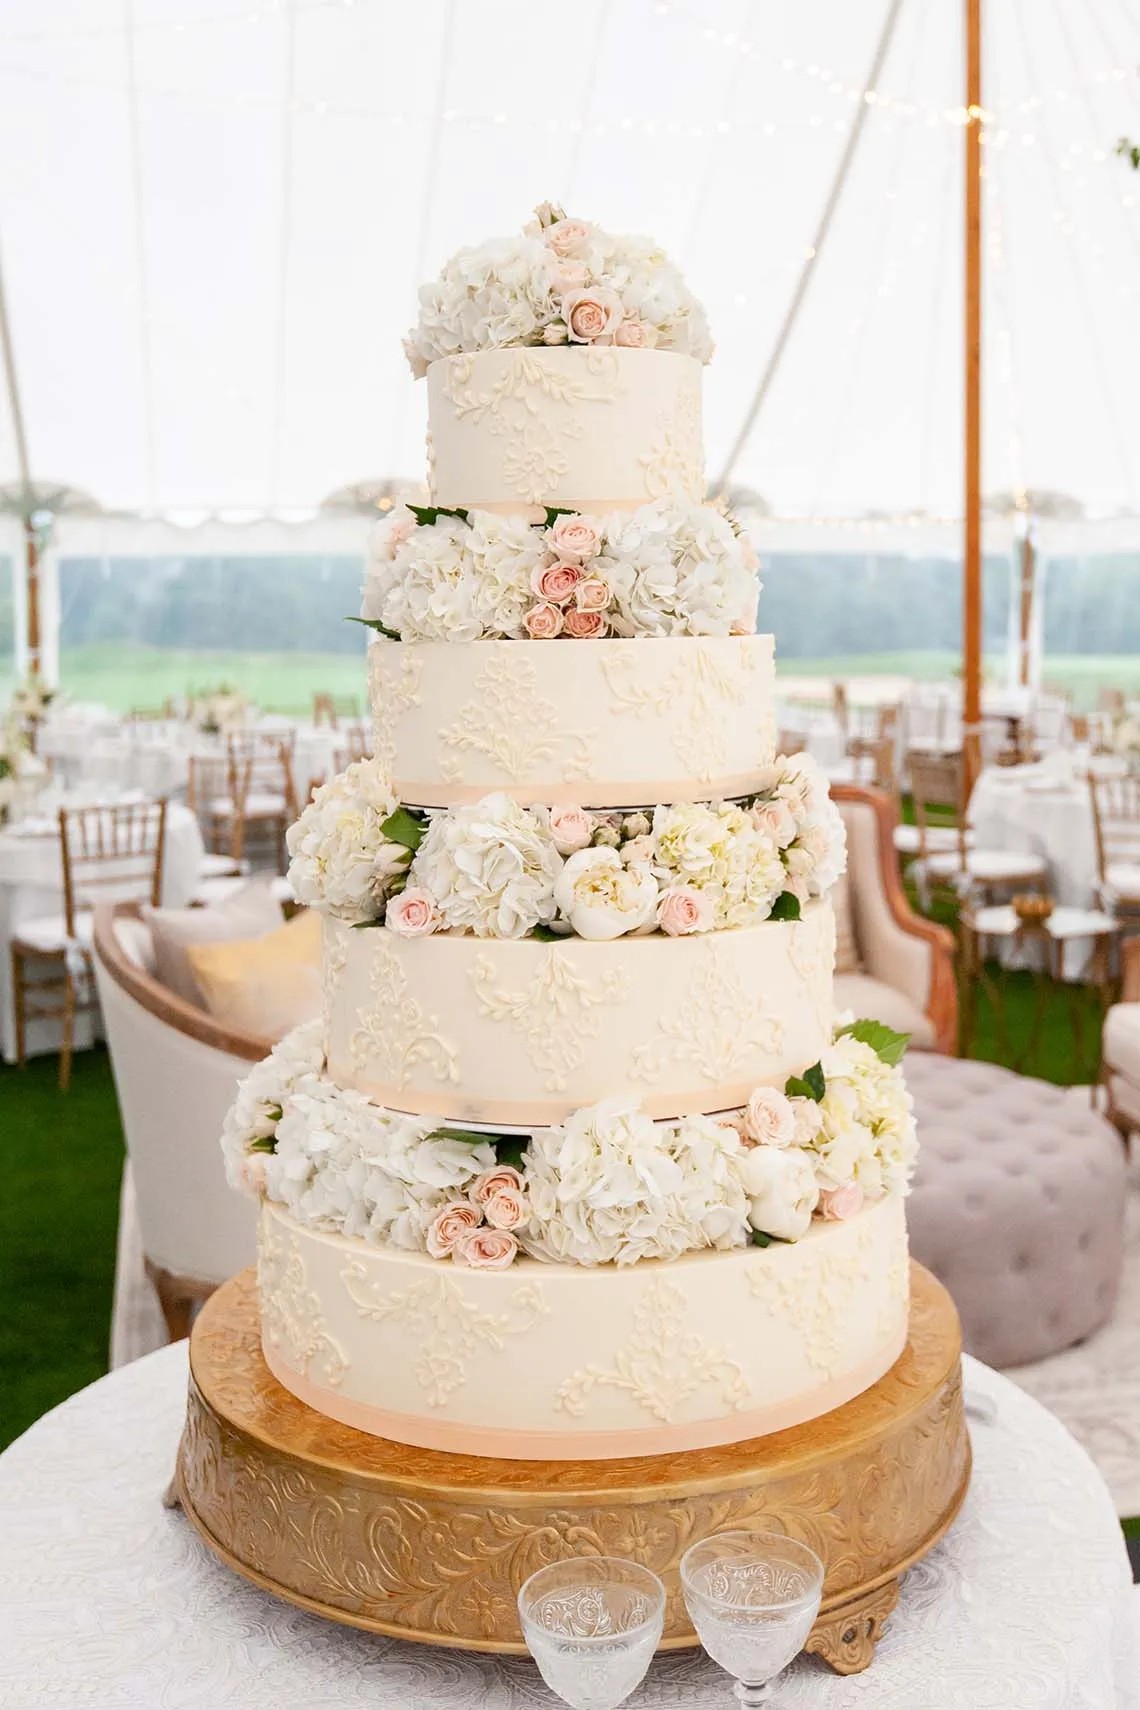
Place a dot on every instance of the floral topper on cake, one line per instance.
(563, 282)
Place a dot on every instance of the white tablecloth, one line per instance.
(31, 886)
(110, 1602)
(1021, 809)
(155, 759)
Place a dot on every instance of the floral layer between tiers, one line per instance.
(496, 869)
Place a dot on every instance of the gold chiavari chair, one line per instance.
(937, 783)
(110, 853)
(261, 799)
(330, 709)
(1116, 821)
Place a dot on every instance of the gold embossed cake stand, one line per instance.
(433, 1547)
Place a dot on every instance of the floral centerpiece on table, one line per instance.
(606, 1186)
(21, 773)
(562, 282)
(215, 711)
(32, 699)
(666, 568)
(1124, 739)
(495, 869)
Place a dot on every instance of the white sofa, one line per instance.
(907, 963)
(175, 1072)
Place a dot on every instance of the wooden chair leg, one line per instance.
(178, 1298)
(19, 1008)
(67, 1031)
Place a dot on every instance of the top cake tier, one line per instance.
(587, 428)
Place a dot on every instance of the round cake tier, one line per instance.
(518, 1032)
(612, 723)
(516, 430)
(563, 1362)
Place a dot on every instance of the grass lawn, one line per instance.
(58, 1214)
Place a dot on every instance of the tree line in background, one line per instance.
(816, 605)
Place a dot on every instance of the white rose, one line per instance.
(770, 1118)
(571, 828)
(782, 1190)
(602, 898)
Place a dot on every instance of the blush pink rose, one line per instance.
(575, 537)
(776, 820)
(571, 828)
(638, 851)
(635, 335)
(683, 910)
(592, 594)
(571, 276)
(592, 313)
(251, 1172)
(543, 622)
(507, 1209)
(412, 914)
(770, 1117)
(493, 1181)
(486, 1249)
(838, 1204)
(449, 1226)
(584, 626)
(555, 582)
(399, 528)
(565, 237)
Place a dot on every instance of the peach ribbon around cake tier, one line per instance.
(600, 429)
(558, 1362)
(609, 723)
(521, 1032)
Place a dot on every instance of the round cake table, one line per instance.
(108, 1600)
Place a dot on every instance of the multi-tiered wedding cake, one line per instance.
(578, 1161)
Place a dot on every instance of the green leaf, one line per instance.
(367, 925)
(374, 623)
(887, 1045)
(468, 1135)
(404, 827)
(268, 1143)
(547, 935)
(810, 1084)
(759, 1239)
(553, 512)
(428, 515)
(786, 906)
(509, 1149)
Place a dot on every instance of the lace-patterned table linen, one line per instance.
(109, 1602)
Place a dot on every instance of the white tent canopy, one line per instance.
(214, 214)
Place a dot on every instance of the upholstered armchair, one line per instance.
(175, 1073)
(891, 964)
(1120, 1060)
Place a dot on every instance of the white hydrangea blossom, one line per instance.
(491, 867)
(678, 569)
(515, 290)
(867, 1135)
(609, 1186)
(818, 854)
(721, 853)
(260, 1099)
(341, 861)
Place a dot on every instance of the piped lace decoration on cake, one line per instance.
(397, 1035)
(532, 406)
(695, 697)
(811, 952)
(513, 727)
(334, 955)
(557, 1012)
(395, 680)
(719, 1025)
(662, 1366)
(675, 461)
(821, 1315)
(449, 1328)
(291, 1318)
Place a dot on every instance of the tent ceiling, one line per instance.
(214, 214)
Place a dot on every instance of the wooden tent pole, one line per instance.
(32, 572)
(1027, 590)
(972, 541)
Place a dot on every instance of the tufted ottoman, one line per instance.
(1017, 1205)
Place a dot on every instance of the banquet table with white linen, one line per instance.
(154, 757)
(31, 886)
(109, 1600)
(1043, 810)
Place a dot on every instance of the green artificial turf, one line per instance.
(61, 1160)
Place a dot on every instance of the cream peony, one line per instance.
(781, 1188)
(602, 898)
(341, 861)
(491, 867)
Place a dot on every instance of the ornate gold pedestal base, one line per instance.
(434, 1547)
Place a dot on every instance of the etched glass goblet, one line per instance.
(592, 1625)
(753, 1598)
